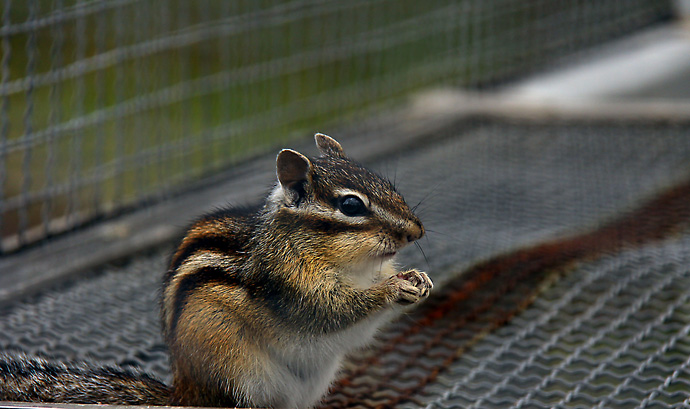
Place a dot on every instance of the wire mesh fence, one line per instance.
(105, 104)
(562, 279)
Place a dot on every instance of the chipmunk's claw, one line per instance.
(414, 285)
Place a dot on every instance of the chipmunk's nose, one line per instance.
(414, 231)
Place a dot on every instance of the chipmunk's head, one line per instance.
(339, 211)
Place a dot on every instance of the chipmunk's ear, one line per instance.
(329, 146)
(292, 169)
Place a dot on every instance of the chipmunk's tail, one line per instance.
(30, 379)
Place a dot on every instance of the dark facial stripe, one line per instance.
(326, 225)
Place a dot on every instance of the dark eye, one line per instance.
(352, 206)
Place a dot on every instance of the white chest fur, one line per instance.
(310, 366)
(298, 376)
(367, 273)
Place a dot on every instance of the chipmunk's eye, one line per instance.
(351, 205)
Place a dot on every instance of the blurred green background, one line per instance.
(105, 104)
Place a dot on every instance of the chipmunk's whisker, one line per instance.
(439, 233)
(426, 196)
(419, 246)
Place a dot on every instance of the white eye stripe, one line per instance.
(349, 192)
(328, 213)
(379, 211)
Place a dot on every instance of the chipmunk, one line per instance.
(260, 306)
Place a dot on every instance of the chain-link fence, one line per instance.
(105, 104)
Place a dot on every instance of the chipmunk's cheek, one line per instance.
(357, 249)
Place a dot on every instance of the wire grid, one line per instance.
(107, 103)
(612, 330)
(612, 334)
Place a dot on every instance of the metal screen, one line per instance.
(105, 104)
(560, 251)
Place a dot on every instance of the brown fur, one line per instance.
(283, 277)
(259, 306)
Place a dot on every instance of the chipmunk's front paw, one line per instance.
(413, 285)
